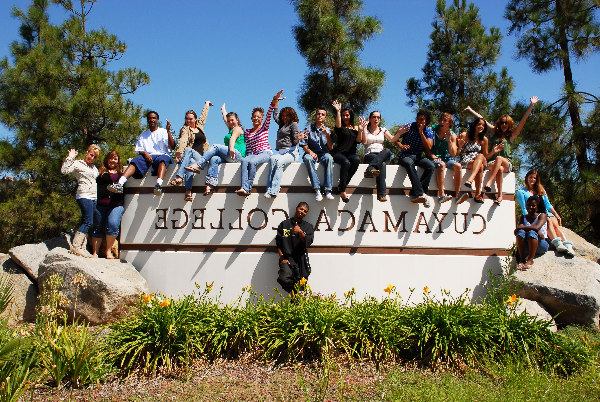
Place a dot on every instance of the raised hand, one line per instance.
(302, 135)
(467, 109)
(278, 97)
(534, 100)
(296, 229)
(223, 107)
(460, 141)
(168, 126)
(72, 153)
(362, 122)
(210, 103)
(336, 105)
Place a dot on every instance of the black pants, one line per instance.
(377, 160)
(348, 166)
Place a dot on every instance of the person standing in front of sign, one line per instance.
(257, 145)
(443, 154)
(232, 150)
(294, 236)
(472, 149)
(344, 153)
(413, 142)
(286, 146)
(317, 145)
(153, 145)
(85, 173)
(375, 154)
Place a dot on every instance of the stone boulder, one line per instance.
(569, 286)
(112, 286)
(535, 309)
(24, 294)
(582, 247)
(29, 256)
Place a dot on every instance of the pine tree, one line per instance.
(57, 93)
(459, 67)
(330, 35)
(552, 35)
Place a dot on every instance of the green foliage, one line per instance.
(459, 67)
(57, 92)
(6, 290)
(330, 35)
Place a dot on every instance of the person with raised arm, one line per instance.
(192, 142)
(288, 136)
(348, 136)
(85, 173)
(257, 145)
(444, 155)
(472, 150)
(503, 134)
(153, 146)
(415, 137)
(317, 146)
(232, 150)
(376, 156)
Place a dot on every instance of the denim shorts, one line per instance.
(449, 162)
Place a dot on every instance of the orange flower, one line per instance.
(165, 303)
(147, 298)
(426, 290)
(511, 300)
(303, 281)
(389, 289)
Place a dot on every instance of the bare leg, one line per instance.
(439, 177)
(110, 240)
(555, 228)
(551, 231)
(457, 178)
(96, 241)
(161, 170)
(475, 165)
(533, 244)
(129, 171)
(493, 168)
(521, 248)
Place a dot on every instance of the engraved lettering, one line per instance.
(422, 216)
(484, 224)
(280, 210)
(364, 222)
(239, 220)
(464, 223)
(196, 217)
(220, 219)
(439, 221)
(177, 220)
(319, 221)
(397, 225)
(351, 224)
(264, 225)
(162, 216)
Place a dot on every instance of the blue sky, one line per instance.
(241, 52)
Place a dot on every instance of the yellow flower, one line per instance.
(349, 293)
(303, 281)
(511, 300)
(209, 286)
(165, 303)
(426, 290)
(146, 299)
(389, 289)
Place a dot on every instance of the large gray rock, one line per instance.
(112, 286)
(582, 247)
(569, 286)
(29, 256)
(24, 294)
(535, 309)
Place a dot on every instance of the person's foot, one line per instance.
(368, 174)
(94, 255)
(382, 199)
(417, 199)
(158, 190)
(115, 188)
(194, 168)
(188, 195)
(487, 188)
(528, 264)
(428, 201)
(242, 192)
(478, 199)
(344, 197)
(463, 197)
(469, 184)
(177, 181)
(109, 255)
(445, 198)
(318, 196)
(328, 195)
(267, 195)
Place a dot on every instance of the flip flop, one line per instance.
(487, 189)
(188, 196)
(497, 201)
(192, 169)
(209, 190)
(478, 199)
(521, 267)
(468, 184)
(177, 181)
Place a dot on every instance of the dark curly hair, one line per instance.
(291, 112)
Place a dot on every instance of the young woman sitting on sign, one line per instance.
(531, 232)
(472, 151)
(503, 135)
(288, 136)
(232, 150)
(257, 145)
(348, 136)
(533, 186)
(376, 156)
(109, 207)
(192, 144)
(85, 173)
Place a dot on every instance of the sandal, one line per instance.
(478, 199)
(209, 190)
(177, 181)
(468, 184)
(522, 267)
(188, 195)
(497, 201)
(193, 169)
(382, 199)
(487, 189)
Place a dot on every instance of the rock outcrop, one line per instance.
(582, 247)
(112, 286)
(24, 294)
(29, 256)
(566, 285)
(535, 309)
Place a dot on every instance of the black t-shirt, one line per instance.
(346, 141)
(199, 140)
(293, 249)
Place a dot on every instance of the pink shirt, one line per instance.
(259, 141)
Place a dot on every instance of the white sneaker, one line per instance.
(318, 196)
(267, 195)
(417, 199)
(428, 201)
(328, 195)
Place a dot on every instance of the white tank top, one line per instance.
(375, 141)
(542, 229)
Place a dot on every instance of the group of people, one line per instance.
(434, 148)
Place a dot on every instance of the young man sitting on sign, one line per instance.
(153, 145)
(294, 235)
(317, 145)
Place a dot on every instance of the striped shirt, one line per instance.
(259, 141)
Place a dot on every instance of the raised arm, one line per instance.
(533, 100)
(362, 123)
(338, 114)
(68, 165)
(473, 113)
(171, 140)
(202, 119)
(275, 102)
(224, 113)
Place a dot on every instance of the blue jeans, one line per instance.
(533, 234)
(249, 164)
(217, 154)
(377, 160)
(87, 208)
(107, 221)
(189, 158)
(276, 165)
(348, 166)
(410, 163)
(327, 161)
